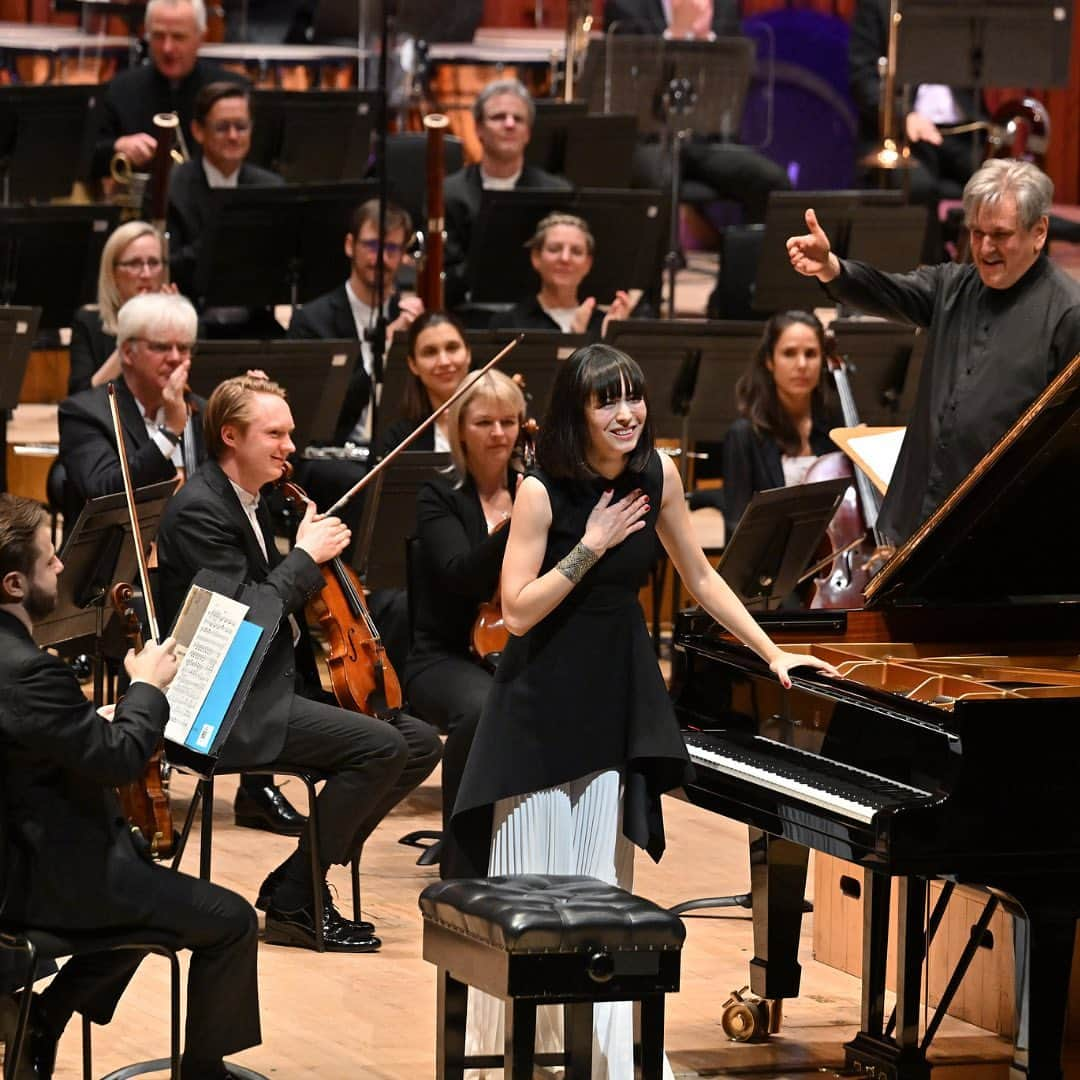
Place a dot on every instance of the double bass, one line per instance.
(857, 548)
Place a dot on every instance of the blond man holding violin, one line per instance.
(219, 521)
(461, 532)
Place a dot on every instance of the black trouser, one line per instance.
(372, 765)
(221, 930)
(450, 694)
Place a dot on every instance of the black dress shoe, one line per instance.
(265, 901)
(38, 1056)
(297, 928)
(266, 808)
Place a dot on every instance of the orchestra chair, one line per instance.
(537, 939)
(39, 946)
(204, 796)
(428, 840)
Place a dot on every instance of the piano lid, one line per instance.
(1010, 533)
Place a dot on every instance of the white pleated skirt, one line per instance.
(574, 828)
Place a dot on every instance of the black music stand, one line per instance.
(313, 136)
(886, 359)
(776, 539)
(98, 551)
(591, 151)
(315, 374)
(44, 140)
(275, 245)
(547, 143)
(389, 516)
(626, 225)
(779, 288)
(674, 88)
(18, 328)
(49, 256)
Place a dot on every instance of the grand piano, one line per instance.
(950, 748)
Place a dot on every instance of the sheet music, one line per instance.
(879, 452)
(207, 626)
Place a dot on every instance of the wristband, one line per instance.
(170, 435)
(577, 563)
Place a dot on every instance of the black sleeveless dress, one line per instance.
(582, 692)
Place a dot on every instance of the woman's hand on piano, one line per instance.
(783, 662)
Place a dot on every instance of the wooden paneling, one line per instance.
(46, 376)
(524, 12)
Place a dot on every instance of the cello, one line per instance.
(858, 550)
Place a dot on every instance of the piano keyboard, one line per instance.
(850, 792)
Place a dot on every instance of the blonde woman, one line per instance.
(132, 262)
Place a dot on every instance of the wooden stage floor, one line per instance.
(373, 1016)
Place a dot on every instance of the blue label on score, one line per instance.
(208, 722)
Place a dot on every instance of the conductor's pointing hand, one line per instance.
(811, 254)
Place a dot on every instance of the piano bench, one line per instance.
(535, 939)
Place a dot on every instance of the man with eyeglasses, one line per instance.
(504, 113)
(155, 336)
(221, 126)
(169, 83)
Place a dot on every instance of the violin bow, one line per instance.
(129, 493)
(466, 384)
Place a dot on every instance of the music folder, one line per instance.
(223, 631)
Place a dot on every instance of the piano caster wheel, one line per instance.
(750, 1019)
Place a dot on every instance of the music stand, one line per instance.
(625, 224)
(314, 372)
(886, 359)
(44, 140)
(18, 328)
(591, 151)
(313, 136)
(547, 142)
(275, 245)
(98, 551)
(777, 286)
(776, 539)
(49, 256)
(389, 516)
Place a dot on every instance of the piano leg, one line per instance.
(778, 887)
(1050, 936)
(872, 1051)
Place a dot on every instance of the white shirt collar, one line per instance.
(248, 501)
(499, 183)
(217, 179)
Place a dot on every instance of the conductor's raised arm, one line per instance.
(811, 254)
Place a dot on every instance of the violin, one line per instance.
(145, 802)
(489, 635)
(362, 677)
(856, 550)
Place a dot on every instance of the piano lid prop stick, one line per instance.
(466, 383)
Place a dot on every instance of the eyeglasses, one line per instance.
(391, 251)
(163, 348)
(223, 127)
(137, 266)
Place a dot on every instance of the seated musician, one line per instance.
(221, 125)
(561, 251)
(1000, 329)
(461, 524)
(785, 413)
(162, 424)
(169, 83)
(132, 262)
(218, 521)
(438, 359)
(69, 860)
(504, 113)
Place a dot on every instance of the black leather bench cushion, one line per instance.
(529, 913)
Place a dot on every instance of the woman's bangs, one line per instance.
(613, 376)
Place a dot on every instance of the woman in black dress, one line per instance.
(461, 528)
(561, 251)
(131, 263)
(578, 739)
(786, 410)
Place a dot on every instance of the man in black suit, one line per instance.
(69, 861)
(169, 83)
(162, 425)
(504, 113)
(735, 172)
(219, 522)
(221, 125)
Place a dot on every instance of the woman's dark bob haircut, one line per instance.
(415, 403)
(593, 372)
